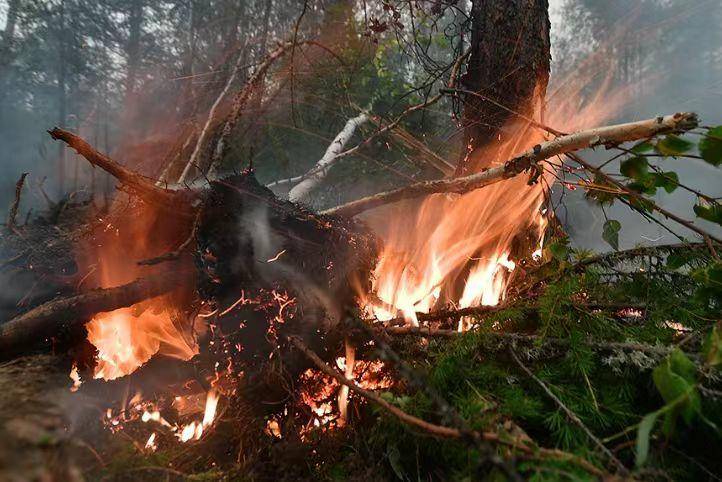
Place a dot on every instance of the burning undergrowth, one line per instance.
(257, 271)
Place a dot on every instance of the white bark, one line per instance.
(614, 134)
(314, 177)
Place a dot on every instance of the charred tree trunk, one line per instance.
(509, 63)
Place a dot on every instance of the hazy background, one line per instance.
(130, 75)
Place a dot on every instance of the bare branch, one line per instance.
(16, 203)
(561, 145)
(143, 186)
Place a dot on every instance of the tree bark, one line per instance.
(49, 319)
(509, 63)
(614, 134)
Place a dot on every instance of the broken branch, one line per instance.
(613, 134)
(141, 185)
(53, 317)
(440, 430)
(16, 203)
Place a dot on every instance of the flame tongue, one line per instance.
(125, 341)
(428, 247)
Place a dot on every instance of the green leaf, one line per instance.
(644, 185)
(666, 180)
(643, 146)
(560, 249)
(709, 212)
(643, 433)
(677, 260)
(610, 233)
(710, 147)
(673, 145)
(712, 347)
(675, 381)
(635, 167)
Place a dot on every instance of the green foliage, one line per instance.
(675, 378)
(710, 147)
(635, 167)
(673, 145)
(610, 232)
(709, 279)
(709, 211)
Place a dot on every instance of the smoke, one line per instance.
(667, 54)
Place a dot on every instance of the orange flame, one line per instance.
(128, 337)
(125, 342)
(429, 246)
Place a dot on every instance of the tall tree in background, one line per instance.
(509, 63)
(6, 47)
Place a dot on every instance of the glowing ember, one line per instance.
(150, 444)
(75, 377)
(194, 430)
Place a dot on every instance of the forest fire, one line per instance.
(462, 250)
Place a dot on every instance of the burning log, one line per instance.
(64, 314)
(607, 135)
(263, 266)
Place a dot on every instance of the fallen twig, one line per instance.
(16, 203)
(570, 414)
(561, 145)
(440, 430)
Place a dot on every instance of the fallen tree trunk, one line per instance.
(56, 316)
(606, 135)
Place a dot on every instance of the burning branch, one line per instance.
(441, 430)
(49, 319)
(141, 185)
(606, 135)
